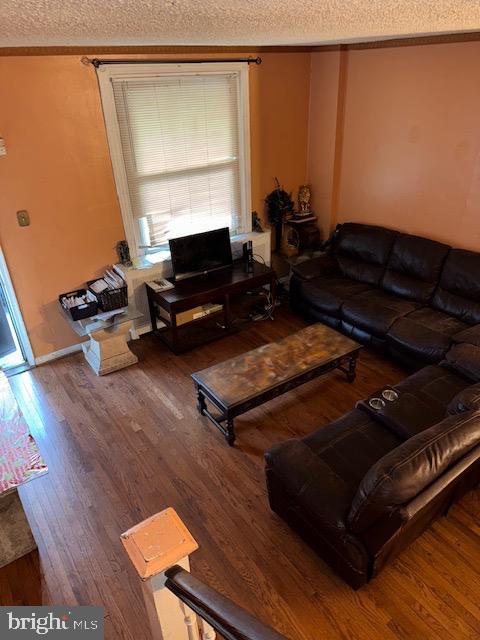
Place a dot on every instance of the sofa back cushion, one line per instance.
(458, 293)
(403, 473)
(362, 251)
(414, 267)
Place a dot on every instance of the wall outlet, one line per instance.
(3, 147)
(23, 218)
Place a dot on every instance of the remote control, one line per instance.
(160, 285)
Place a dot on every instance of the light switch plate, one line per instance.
(23, 218)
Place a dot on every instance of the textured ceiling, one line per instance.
(227, 22)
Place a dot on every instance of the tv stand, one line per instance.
(215, 287)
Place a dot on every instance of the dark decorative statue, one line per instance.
(123, 253)
(256, 222)
(279, 205)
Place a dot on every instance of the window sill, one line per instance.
(162, 254)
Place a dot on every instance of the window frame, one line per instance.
(105, 75)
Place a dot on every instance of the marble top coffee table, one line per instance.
(246, 381)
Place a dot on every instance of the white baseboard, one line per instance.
(143, 328)
(58, 354)
(74, 348)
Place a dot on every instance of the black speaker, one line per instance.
(248, 256)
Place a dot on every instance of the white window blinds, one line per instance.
(180, 138)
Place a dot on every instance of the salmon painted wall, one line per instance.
(58, 168)
(325, 70)
(411, 140)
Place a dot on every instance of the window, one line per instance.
(179, 142)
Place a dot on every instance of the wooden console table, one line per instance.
(217, 287)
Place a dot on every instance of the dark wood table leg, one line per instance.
(151, 308)
(201, 404)
(273, 285)
(352, 368)
(174, 331)
(226, 428)
(230, 433)
(226, 311)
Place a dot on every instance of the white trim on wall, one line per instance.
(106, 74)
(15, 310)
(53, 355)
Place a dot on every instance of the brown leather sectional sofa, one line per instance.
(407, 295)
(360, 489)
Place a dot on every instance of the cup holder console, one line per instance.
(376, 403)
(379, 402)
(390, 394)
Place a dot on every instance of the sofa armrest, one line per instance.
(466, 400)
(411, 509)
(310, 483)
(315, 267)
(410, 468)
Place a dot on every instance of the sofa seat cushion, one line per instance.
(436, 386)
(350, 445)
(470, 335)
(328, 293)
(375, 311)
(425, 333)
(319, 266)
(362, 336)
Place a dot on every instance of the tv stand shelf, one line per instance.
(217, 286)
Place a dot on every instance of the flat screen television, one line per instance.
(200, 253)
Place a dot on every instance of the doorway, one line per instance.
(15, 350)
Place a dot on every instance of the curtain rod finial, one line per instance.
(93, 61)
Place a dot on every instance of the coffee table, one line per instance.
(246, 381)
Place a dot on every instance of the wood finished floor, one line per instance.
(127, 445)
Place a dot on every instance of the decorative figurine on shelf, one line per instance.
(256, 222)
(279, 206)
(304, 197)
(123, 253)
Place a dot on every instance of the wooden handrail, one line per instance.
(179, 606)
(226, 617)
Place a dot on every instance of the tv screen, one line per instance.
(200, 253)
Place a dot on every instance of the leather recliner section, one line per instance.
(410, 296)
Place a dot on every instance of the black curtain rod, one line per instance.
(96, 62)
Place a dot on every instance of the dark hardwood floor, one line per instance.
(127, 445)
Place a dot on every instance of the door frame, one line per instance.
(18, 322)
